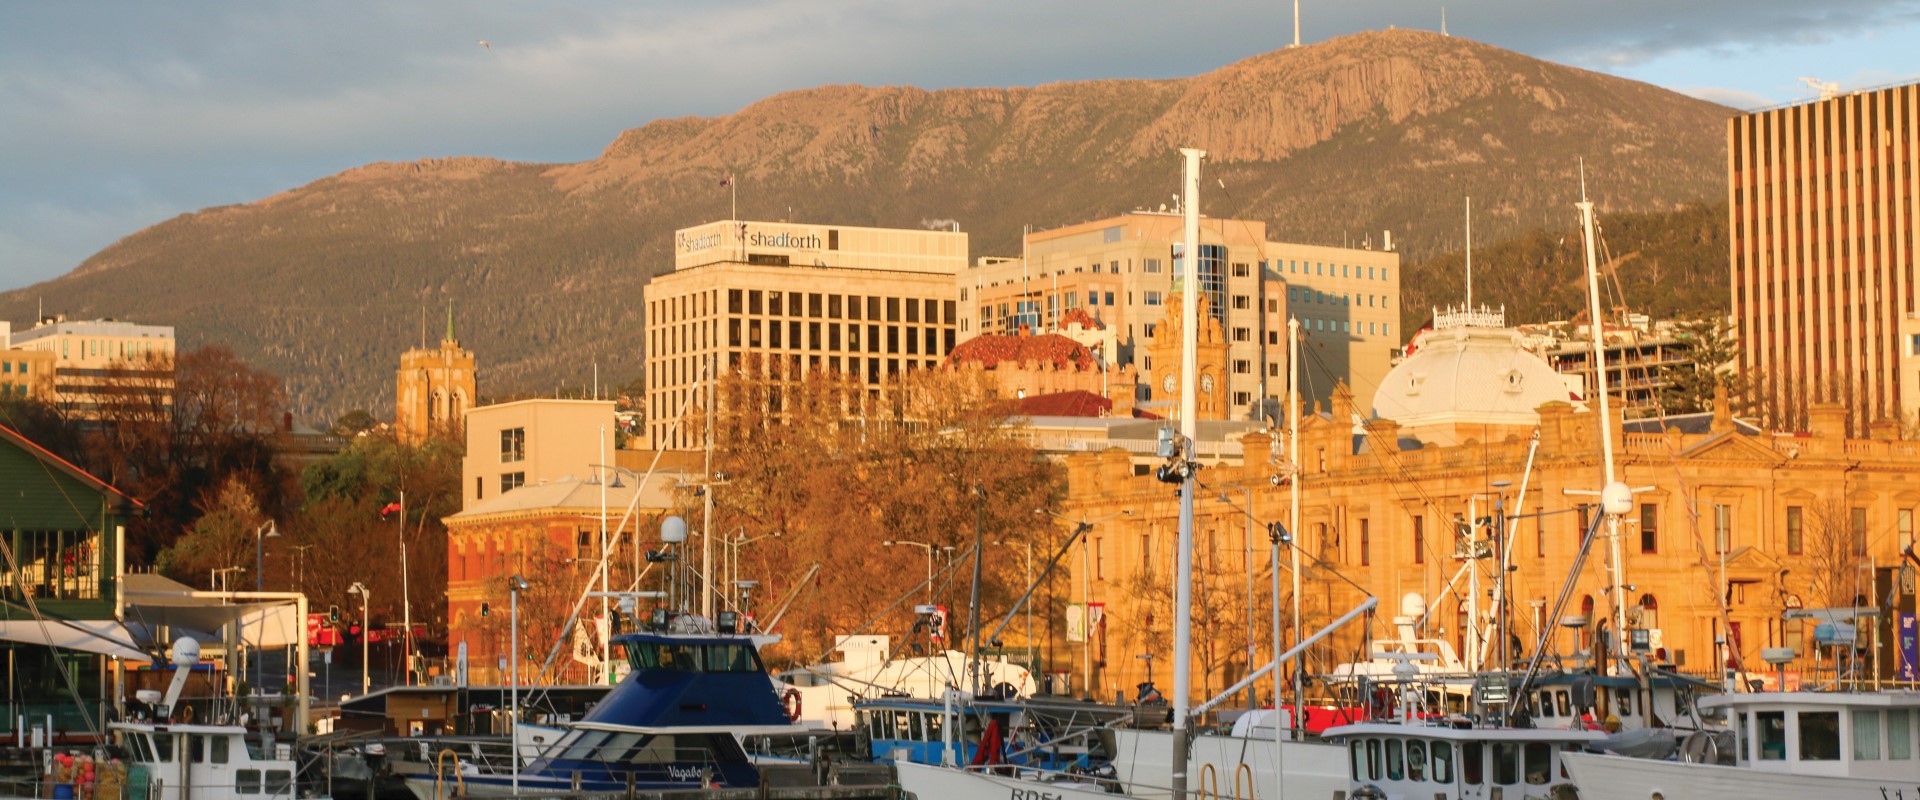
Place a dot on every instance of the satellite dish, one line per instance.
(1617, 499)
(185, 652)
(673, 530)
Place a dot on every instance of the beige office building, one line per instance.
(867, 302)
(1120, 271)
(86, 354)
(1823, 212)
(530, 442)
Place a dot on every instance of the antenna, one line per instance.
(1296, 23)
(1827, 89)
(1443, 21)
(1470, 252)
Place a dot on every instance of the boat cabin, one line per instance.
(1864, 735)
(206, 761)
(1447, 763)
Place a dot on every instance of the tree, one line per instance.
(839, 469)
(1711, 353)
(222, 537)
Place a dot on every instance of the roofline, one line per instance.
(64, 465)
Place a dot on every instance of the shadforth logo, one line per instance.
(689, 244)
(784, 239)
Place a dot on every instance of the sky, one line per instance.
(118, 115)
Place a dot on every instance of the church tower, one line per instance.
(1164, 352)
(433, 389)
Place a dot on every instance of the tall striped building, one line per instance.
(1823, 212)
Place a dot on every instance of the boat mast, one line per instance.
(1189, 431)
(1606, 413)
(1293, 502)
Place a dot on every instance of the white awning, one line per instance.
(105, 637)
(152, 600)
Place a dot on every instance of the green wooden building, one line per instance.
(62, 531)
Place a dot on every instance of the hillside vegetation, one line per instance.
(325, 284)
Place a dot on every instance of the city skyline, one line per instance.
(136, 116)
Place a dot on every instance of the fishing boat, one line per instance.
(1441, 760)
(211, 760)
(823, 696)
(1785, 745)
(673, 722)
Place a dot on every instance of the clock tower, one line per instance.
(1164, 352)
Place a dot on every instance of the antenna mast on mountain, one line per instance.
(1469, 252)
(1296, 23)
(1443, 21)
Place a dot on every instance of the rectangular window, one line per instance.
(1366, 545)
(1866, 734)
(1795, 529)
(1242, 335)
(1242, 303)
(1904, 517)
(513, 445)
(1153, 298)
(1722, 527)
(1649, 528)
(1241, 270)
(1099, 558)
(1819, 736)
(1150, 265)
(1242, 366)
(510, 481)
(1857, 525)
(1899, 734)
(1419, 540)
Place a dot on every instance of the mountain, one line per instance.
(1666, 264)
(543, 263)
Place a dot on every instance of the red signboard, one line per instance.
(319, 633)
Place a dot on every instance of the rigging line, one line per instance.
(1316, 561)
(921, 586)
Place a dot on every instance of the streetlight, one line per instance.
(266, 530)
(734, 543)
(366, 631)
(1080, 528)
(515, 585)
(931, 549)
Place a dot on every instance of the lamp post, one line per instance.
(515, 585)
(930, 551)
(366, 630)
(220, 579)
(1081, 528)
(733, 551)
(266, 530)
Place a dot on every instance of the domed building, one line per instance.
(1469, 378)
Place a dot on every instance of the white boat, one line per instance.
(1786, 745)
(1392, 761)
(188, 761)
(821, 696)
(1143, 762)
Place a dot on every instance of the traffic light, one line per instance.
(333, 613)
(485, 609)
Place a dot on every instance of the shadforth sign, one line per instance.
(786, 239)
(689, 243)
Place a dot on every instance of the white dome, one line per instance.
(1471, 375)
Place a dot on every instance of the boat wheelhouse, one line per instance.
(1784, 744)
(205, 762)
(1442, 762)
(673, 722)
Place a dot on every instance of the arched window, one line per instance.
(1649, 611)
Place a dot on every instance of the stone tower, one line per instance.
(1164, 350)
(434, 388)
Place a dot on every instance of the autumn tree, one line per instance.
(1221, 614)
(362, 481)
(839, 469)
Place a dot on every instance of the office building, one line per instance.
(788, 299)
(102, 366)
(1121, 270)
(1823, 205)
(529, 442)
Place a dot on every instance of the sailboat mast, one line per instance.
(1189, 432)
(1293, 501)
(1594, 324)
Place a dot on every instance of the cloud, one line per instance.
(1731, 98)
(205, 102)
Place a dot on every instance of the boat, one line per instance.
(1456, 760)
(1042, 733)
(1784, 745)
(673, 722)
(178, 758)
(822, 696)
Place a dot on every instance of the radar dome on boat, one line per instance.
(1412, 604)
(673, 530)
(1616, 499)
(185, 652)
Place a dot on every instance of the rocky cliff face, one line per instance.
(1327, 143)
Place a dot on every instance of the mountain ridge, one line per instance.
(1328, 143)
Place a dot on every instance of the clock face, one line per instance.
(1206, 384)
(1169, 383)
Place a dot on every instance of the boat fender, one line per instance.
(790, 702)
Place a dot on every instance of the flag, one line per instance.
(726, 181)
(388, 509)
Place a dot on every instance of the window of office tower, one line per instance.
(1212, 276)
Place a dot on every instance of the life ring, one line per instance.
(790, 702)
